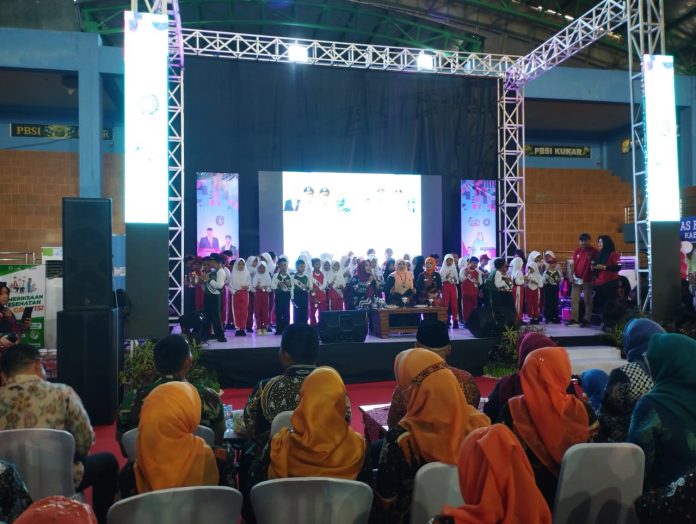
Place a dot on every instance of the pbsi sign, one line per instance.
(687, 228)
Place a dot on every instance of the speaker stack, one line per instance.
(88, 341)
(490, 322)
(342, 326)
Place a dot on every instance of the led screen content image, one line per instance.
(217, 205)
(340, 212)
(478, 215)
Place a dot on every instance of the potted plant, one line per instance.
(502, 358)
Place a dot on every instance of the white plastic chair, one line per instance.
(281, 420)
(130, 439)
(311, 500)
(435, 485)
(44, 459)
(208, 504)
(599, 483)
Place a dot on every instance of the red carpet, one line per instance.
(359, 394)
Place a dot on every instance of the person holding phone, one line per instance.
(8, 322)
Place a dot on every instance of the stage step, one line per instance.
(600, 357)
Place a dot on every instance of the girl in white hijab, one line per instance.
(336, 284)
(268, 259)
(535, 281)
(518, 286)
(240, 283)
(261, 291)
(450, 282)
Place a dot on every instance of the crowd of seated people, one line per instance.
(508, 457)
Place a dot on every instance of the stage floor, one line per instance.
(252, 340)
(243, 361)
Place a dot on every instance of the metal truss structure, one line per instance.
(239, 46)
(511, 186)
(590, 27)
(646, 36)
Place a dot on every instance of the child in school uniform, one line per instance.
(226, 293)
(300, 299)
(251, 264)
(450, 282)
(502, 285)
(518, 282)
(282, 285)
(552, 280)
(317, 294)
(261, 290)
(471, 280)
(240, 282)
(336, 285)
(535, 281)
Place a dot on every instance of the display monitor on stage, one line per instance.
(478, 215)
(217, 196)
(338, 212)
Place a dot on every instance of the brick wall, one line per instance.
(562, 203)
(33, 184)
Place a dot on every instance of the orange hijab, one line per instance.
(425, 266)
(545, 416)
(320, 443)
(169, 455)
(497, 481)
(438, 416)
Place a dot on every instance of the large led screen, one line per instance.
(217, 196)
(340, 212)
(478, 212)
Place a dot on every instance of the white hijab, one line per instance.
(270, 266)
(240, 277)
(534, 275)
(335, 278)
(517, 273)
(262, 280)
(447, 272)
(250, 265)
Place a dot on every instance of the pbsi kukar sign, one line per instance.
(27, 285)
(687, 228)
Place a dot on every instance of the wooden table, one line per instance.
(403, 320)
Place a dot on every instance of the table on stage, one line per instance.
(375, 421)
(389, 321)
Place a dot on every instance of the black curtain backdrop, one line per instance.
(246, 117)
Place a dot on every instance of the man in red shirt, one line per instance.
(582, 280)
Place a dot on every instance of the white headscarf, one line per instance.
(449, 272)
(334, 278)
(266, 257)
(534, 275)
(262, 280)
(249, 265)
(240, 277)
(517, 273)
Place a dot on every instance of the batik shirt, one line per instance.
(212, 415)
(625, 386)
(675, 502)
(27, 401)
(271, 397)
(14, 496)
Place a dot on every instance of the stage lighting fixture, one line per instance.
(426, 61)
(146, 118)
(298, 53)
(661, 135)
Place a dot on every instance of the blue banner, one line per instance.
(687, 228)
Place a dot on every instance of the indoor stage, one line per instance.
(242, 361)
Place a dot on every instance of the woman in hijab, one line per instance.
(496, 482)
(437, 419)
(510, 386)
(418, 266)
(606, 280)
(169, 454)
(321, 442)
(546, 418)
(664, 419)
(594, 382)
(363, 287)
(240, 284)
(429, 284)
(400, 286)
(627, 383)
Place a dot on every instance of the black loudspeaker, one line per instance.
(490, 322)
(88, 347)
(342, 326)
(87, 264)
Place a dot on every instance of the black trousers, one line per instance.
(550, 302)
(282, 310)
(605, 298)
(211, 307)
(101, 474)
(300, 306)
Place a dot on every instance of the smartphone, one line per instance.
(26, 315)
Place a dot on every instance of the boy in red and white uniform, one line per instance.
(471, 279)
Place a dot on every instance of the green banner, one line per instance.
(27, 284)
(558, 151)
(52, 131)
